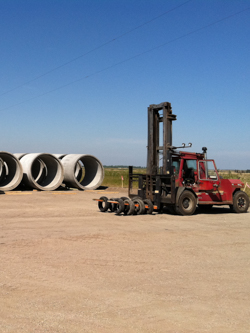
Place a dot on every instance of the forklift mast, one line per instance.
(157, 114)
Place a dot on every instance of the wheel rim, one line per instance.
(241, 202)
(186, 203)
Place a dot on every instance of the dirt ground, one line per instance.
(67, 267)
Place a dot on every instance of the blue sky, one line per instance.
(78, 76)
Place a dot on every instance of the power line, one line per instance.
(95, 49)
(128, 59)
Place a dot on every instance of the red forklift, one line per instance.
(175, 179)
(178, 179)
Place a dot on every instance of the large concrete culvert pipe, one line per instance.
(20, 155)
(84, 172)
(11, 172)
(42, 171)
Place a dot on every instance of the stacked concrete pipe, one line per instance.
(84, 172)
(46, 172)
(41, 171)
(11, 171)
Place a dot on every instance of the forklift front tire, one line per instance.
(186, 203)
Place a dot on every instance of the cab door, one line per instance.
(208, 178)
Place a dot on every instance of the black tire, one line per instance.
(186, 203)
(103, 205)
(240, 202)
(139, 206)
(119, 206)
(150, 205)
(129, 207)
(112, 206)
(205, 208)
(124, 198)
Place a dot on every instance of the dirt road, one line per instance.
(66, 267)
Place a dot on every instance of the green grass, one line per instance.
(113, 177)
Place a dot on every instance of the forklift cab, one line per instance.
(203, 173)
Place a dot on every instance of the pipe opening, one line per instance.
(90, 173)
(10, 171)
(82, 171)
(39, 171)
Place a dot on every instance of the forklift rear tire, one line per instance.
(129, 207)
(104, 204)
(150, 205)
(186, 203)
(240, 202)
(140, 209)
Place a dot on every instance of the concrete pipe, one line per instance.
(60, 156)
(84, 172)
(20, 155)
(78, 166)
(42, 171)
(11, 172)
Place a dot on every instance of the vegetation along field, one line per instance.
(118, 176)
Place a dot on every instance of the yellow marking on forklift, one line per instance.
(218, 192)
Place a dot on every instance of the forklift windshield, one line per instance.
(207, 170)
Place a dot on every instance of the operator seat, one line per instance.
(189, 176)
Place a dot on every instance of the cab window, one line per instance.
(207, 170)
(176, 165)
(191, 164)
(189, 167)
